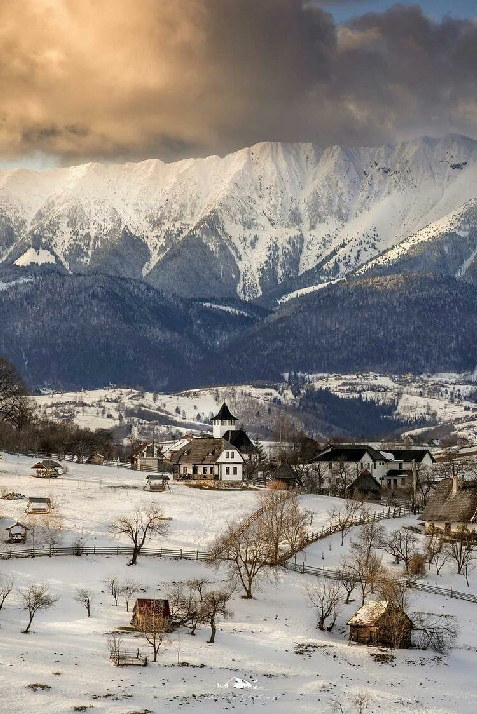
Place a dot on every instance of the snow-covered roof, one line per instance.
(369, 613)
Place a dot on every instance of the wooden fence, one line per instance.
(178, 554)
(334, 574)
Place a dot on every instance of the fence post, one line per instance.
(181, 554)
(303, 567)
(197, 555)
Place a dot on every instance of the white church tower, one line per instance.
(222, 422)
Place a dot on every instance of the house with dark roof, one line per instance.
(401, 468)
(353, 459)
(208, 458)
(451, 507)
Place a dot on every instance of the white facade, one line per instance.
(230, 465)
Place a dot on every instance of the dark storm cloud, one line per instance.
(134, 78)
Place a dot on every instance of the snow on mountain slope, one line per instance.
(238, 225)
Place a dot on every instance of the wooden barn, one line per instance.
(47, 469)
(365, 486)
(145, 608)
(376, 623)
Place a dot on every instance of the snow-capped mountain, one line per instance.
(273, 216)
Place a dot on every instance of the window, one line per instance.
(204, 469)
(395, 481)
(227, 470)
(400, 464)
(232, 454)
(330, 466)
(403, 481)
(234, 470)
(374, 465)
(184, 469)
(211, 469)
(389, 483)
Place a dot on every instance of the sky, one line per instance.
(125, 80)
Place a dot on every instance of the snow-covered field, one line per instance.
(253, 664)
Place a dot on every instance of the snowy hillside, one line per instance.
(268, 655)
(448, 400)
(250, 221)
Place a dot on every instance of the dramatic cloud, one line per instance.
(133, 78)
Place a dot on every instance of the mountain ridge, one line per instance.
(252, 224)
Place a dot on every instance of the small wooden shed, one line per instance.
(47, 469)
(145, 608)
(17, 533)
(377, 623)
(365, 486)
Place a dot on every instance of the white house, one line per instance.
(207, 458)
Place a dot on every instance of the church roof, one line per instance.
(224, 414)
(240, 439)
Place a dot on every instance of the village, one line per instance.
(317, 576)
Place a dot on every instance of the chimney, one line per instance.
(455, 481)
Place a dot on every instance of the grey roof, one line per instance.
(224, 414)
(445, 507)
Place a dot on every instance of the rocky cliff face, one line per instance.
(259, 222)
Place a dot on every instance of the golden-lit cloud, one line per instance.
(117, 79)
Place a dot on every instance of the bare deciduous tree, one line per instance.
(365, 567)
(127, 590)
(460, 549)
(436, 553)
(436, 632)
(284, 521)
(356, 704)
(85, 598)
(345, 519)
(112, 583)
(185, 602)
(402, 544)
(214, 606)
(35, 599)
(6, 587)
(141, 524)
(327, 598)
(154, 628)
(245, 550)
